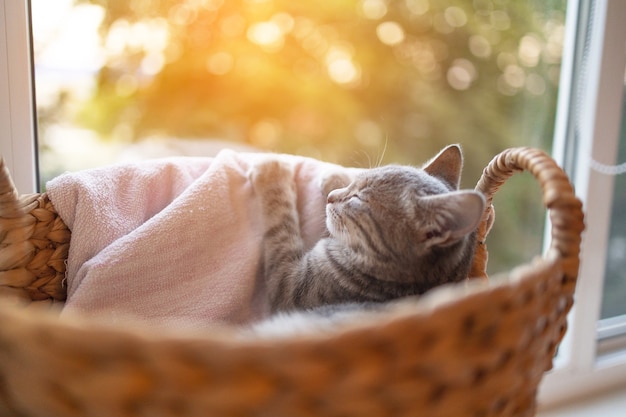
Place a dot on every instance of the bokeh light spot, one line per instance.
(390, 33)
(152, 63)
(515, 76)
(417, 7)
(554, 45)
(284, 21)
(373, 9)
(182, 14)
(342, 70)
(479, 46)
(116, 37)
(455, 16)
(341, 67)
(461, 74)
(529, 50)
(505, 59)
(267, 35)
(210, 4)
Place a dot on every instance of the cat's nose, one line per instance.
(333, 196)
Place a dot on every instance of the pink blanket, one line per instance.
(173, 242)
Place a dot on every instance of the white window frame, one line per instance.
(579, 369)
(17, 109)
(589, 113)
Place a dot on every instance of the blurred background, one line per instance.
(348, 81)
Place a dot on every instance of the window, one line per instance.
(352, 82)
(495, 69)
(593, 355)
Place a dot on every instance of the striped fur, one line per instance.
(394, 231)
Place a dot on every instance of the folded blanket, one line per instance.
(173, 242)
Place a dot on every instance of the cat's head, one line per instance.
(401, 209)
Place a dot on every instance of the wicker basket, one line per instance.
(463, 350)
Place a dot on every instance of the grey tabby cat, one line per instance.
(393, 231)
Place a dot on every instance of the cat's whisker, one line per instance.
(358, 161)
(382, 154)
(369, 159)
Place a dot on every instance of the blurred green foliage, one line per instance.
(343, 80)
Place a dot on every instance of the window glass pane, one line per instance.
(614, 297)
(353, 82)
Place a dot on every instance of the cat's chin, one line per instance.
(331, 225)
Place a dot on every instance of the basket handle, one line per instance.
(565, 209)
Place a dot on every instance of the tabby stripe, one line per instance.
(379, 230)
(282, 228)
(367, 237)
(376, 288)
(279, 293)
(343, 271)
(340, 289)
(303, 286)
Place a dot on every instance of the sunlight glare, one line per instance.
(78, 32)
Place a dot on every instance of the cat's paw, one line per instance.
(333, 180)
(271, 173)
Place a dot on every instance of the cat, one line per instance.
(393, 231)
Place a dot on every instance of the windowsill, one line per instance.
(607, 404)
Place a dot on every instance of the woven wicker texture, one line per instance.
(34, 245)
(464, 350)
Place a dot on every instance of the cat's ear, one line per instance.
(447, 165)
(455, 215)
